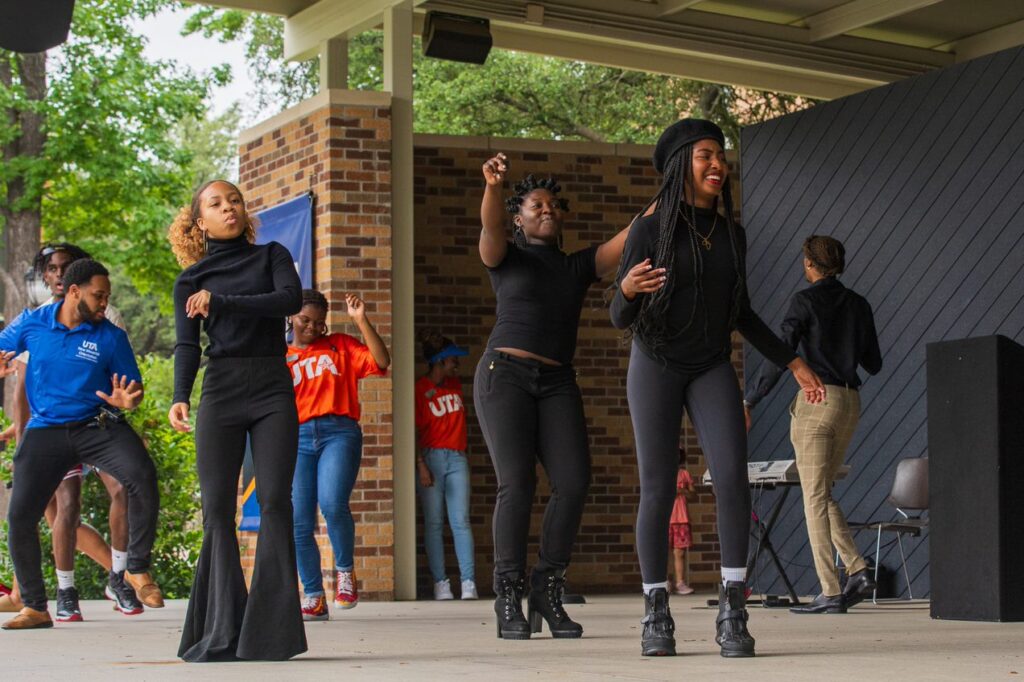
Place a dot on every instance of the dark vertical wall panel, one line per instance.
(923, 181)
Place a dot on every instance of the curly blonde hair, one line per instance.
(187, 240)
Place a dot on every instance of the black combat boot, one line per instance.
(658, 638)
(508, 606)
(545, 603)
(732, 635)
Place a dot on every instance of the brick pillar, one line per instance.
(338, 145)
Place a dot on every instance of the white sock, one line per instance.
(738, 575)
(118, 560)
(650, 587)
(65, 579)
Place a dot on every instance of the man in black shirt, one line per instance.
(836, 330)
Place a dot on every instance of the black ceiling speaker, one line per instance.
(34, 25)
(455, 37)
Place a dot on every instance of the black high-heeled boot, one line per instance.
(545, 603)
(509, 608)
(658, 638)
(732, 634)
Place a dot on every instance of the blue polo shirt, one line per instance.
(68, 365)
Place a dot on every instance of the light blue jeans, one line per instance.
(330, 450)
(451, 487)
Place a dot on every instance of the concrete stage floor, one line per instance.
(456, 640)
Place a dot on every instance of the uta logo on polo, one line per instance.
(88, 350)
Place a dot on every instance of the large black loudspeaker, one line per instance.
(455, 37)
(34, 25)
(976, 478)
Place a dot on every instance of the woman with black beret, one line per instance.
(682, 291)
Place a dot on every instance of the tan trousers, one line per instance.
(820, 435)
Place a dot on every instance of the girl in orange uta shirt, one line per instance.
(326, 369)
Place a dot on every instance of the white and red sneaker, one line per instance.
(346, 595)
(315, 608)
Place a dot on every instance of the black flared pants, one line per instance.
(254, 397)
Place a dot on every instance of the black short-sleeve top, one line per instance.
(540, 291)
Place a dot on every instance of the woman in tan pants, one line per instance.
(836, 330)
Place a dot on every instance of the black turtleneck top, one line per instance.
(540, 291)
(706, 342)
(252, 289)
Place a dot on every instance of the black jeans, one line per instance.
(42, 460)
(530, 411)
(254, 397)
(657, 398)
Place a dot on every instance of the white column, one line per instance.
(398, 81)
(334, 64)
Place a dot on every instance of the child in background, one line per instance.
(680, 538)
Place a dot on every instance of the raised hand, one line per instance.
(198, 304)
(642, 278)
(178, 416)
(356, 308)
(494, 169)
(7, 367)
(125, 394)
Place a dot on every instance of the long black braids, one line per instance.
(651, 322)
(515, 202)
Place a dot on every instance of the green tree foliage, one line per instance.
(179, 535)
(111, 168)
(512, 95)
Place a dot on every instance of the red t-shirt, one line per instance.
(326, 376)
(679, 512)
(440, 414)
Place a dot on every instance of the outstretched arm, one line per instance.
(610, 253)
(493, 240)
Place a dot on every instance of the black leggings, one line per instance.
(254, 397)
(657, 398)
(42, 460)
(530, 411)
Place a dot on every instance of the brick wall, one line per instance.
(605, 185)
(337, 145)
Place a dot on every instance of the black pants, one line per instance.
(530, 411)
(254, 397)
(657, 398)
(43, 458)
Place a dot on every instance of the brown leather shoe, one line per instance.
(147, 590)
(29, 619)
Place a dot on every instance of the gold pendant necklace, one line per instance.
(705, 240)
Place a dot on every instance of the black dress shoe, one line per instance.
(858, 586)
(822, 604)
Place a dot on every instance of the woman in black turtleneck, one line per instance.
(682, 291)
(241, 294)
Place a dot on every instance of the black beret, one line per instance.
(681, 133)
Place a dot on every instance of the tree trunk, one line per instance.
(20, 208)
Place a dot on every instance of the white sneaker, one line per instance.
(468, 589)
(443, 590)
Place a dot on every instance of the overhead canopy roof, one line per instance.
(818, 48)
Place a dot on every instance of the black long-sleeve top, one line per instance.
(835, 330)
(689, 349)
(252, 289)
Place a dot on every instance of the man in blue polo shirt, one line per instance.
(83, 372)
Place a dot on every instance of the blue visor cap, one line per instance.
(451, 351)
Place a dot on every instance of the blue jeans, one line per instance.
(330, 450)
(451, 486)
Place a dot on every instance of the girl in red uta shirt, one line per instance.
(441, 463)
(326, 370)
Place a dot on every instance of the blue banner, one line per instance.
(291, 225)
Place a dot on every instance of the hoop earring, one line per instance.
(206, 242)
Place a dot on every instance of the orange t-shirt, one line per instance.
(326, 376)
(679, 511)
(440, 414)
